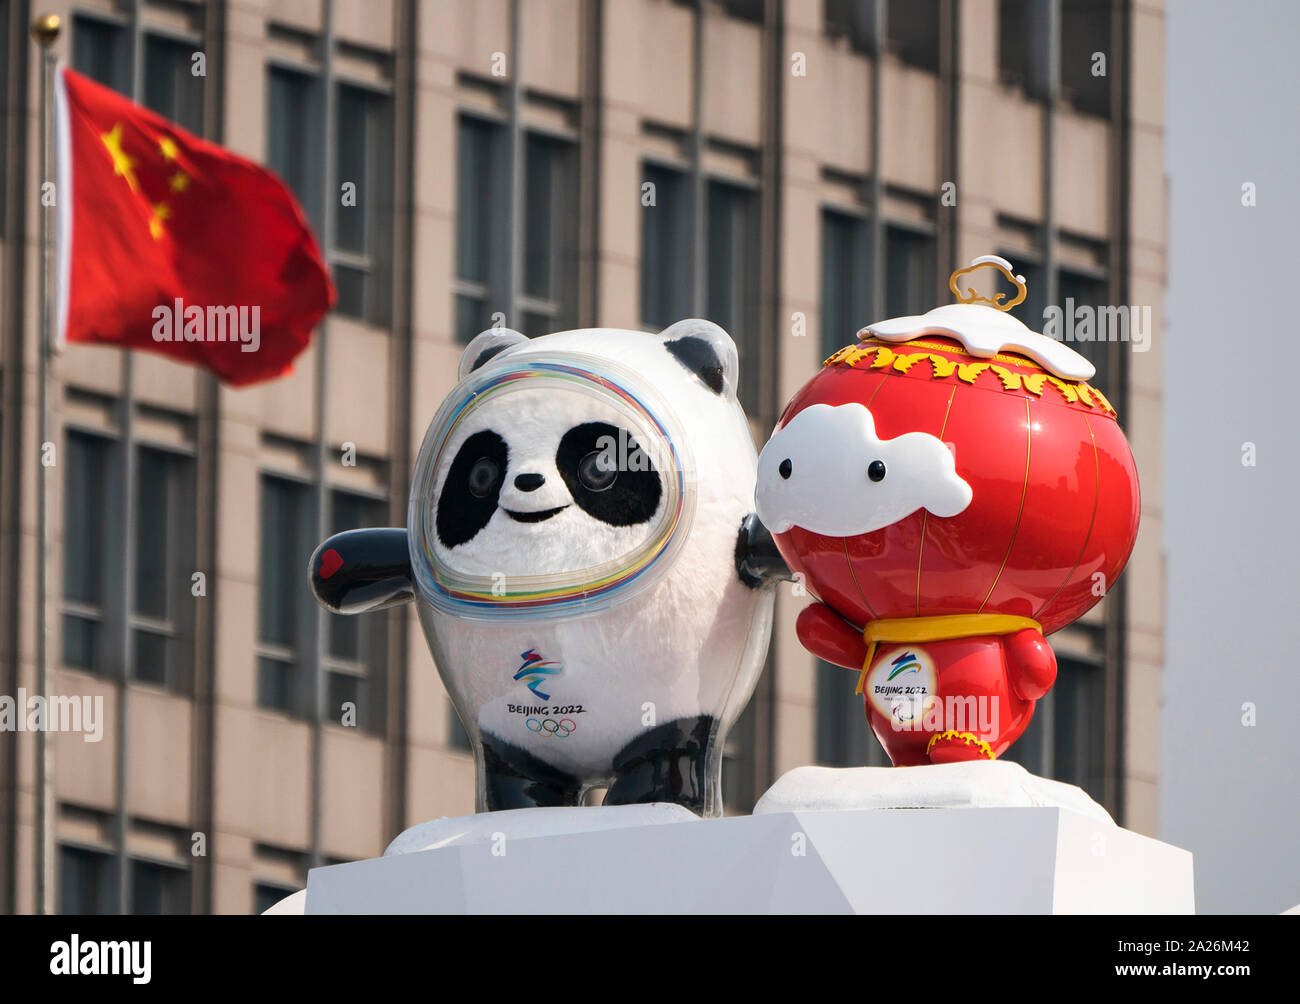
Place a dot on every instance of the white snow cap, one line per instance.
(818, 473)
(985, 331)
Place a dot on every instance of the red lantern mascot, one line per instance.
(951, 490)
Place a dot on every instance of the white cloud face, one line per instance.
(827, 471)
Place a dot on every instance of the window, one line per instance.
(267, 894)
(457, 737)
(846, 279)
(1087, 333)
(1084, 27)
(912, 27)
(87, 881)
(666, 242)
(728, 261)
(293, 144)
(909, 271)
(90, 476)
(1085, 35)
(738, 777)
(482, 179)
(1029, 310)
(1079, 291)
(844, 736)
(550, 229)
(745, 10)
(1014, 32)
(355, 659)
(162, 644)
(360, 248)
(288, 523)
(356, 664)
(548, 286)
(170, 86)
(731, 276)
(161, 610)
(102, 51)
(363, 225)
(159, 889)
(1065, 739)
(851, 19)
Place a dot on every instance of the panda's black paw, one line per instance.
(758, 562)
(669, 763)
(515, 779)
(361, 570)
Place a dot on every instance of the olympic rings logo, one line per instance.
(550, 727)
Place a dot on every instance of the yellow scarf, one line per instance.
(942, 628)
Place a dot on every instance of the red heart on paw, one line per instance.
(330, 562)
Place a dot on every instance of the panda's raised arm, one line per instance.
(360, 570)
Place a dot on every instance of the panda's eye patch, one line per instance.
(484, 477)
(608, 474)
(469, 495)
(598, 470)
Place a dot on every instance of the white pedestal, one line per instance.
(654, 859)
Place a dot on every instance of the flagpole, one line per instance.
(45, 31)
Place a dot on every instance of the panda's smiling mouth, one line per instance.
(533, 517)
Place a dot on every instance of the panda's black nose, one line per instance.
(529, 482)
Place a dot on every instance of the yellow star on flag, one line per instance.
(168, 147)
(122, 164)
(179, 181)
(161, 211)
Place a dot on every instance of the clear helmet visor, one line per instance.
(548, 485)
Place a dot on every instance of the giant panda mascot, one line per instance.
(580, 545)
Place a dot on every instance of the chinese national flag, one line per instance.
(163, 237)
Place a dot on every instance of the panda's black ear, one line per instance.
(360, 570)
(707, 351)
(484, 346)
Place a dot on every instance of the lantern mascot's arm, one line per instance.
(829, 636)
(1031, 663)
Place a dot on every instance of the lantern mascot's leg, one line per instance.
(939, 689)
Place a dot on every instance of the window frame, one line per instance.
(110, 609)
(377, 263)
(294, 654)
(372, 723)
(180, 627)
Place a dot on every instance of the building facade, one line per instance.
(792, 169)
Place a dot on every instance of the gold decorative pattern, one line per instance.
(883, 357)
(994, 262)
(966, 737)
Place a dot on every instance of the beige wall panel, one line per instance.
(352, 810)
(910, 129)
(1082, 174)
(551, 46)
(160, 741)
(85, 773)
(646, 60)
(733, 81)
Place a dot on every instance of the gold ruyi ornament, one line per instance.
(880, 355)
(972, 295)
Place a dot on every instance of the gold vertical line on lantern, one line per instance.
(1092, 522)
(1024, 492)
(925, 514)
